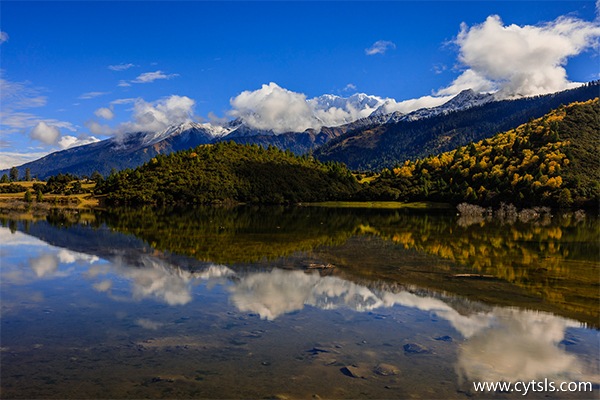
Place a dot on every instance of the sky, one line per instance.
(75, 72)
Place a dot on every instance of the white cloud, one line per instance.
(99, 129)
(123, 83)
(274, 108)
(158, 115)
(3, 37)
(68, 141)
(45, 133)
(148, 324)
(44, 265)
(469, 79)
(149, 77)
(105, 113)
(69, 257)
(380, 47)
(20, 95)
(91, 95)
(280, 110)
(13, 159)
(103, 286)
(518, 345)
(15, 121)
(521, 60)
(349, 87)
(411, 105)
(120, 67)
(123, 101)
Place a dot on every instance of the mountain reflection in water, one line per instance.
(487, 340)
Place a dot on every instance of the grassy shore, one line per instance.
(88, 200)
(79, 201)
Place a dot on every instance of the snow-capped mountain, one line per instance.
(358, 102)
(188, 127)
(468, 117)
(132, 149)
(462, 101)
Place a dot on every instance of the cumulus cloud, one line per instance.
(149, 77)
(380, 47)
(519, 345)
(520, 60)
(3, 37)
(273, 108)
(44, 265)
(50, 134)
(120, 67)
(158, 115)
(45, 133)
(408, 106)
(69, 257)
(91, 95)
(105, 113)
(68, 141)
(99, 129)
(123, 83)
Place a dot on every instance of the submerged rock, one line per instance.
(353, 371)
(384, 369)
(415, 348)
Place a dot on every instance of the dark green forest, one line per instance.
(229, 172)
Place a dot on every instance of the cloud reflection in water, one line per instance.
(499, 343)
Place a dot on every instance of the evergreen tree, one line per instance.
(14, 174)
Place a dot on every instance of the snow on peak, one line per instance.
(212, 131)
(332, 110)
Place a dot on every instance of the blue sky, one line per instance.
(76, 70)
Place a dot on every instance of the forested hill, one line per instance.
(550, 161)
(229, 172)
(385, 145)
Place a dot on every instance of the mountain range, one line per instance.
(380, 139)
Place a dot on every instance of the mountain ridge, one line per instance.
(383, 146)
(133, 149)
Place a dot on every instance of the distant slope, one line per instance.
(229, 172)
(118, 153)
(376, 147)
(550, 161)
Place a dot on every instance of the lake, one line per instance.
(296, 302)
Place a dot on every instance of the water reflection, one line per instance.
(495, 343)
(521, 345)
(363, 279)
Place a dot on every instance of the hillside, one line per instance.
(229, 172)
(550, 161)
(117, 153)
(382, 146)
(373, 142)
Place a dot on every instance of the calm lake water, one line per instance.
(295, 303)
